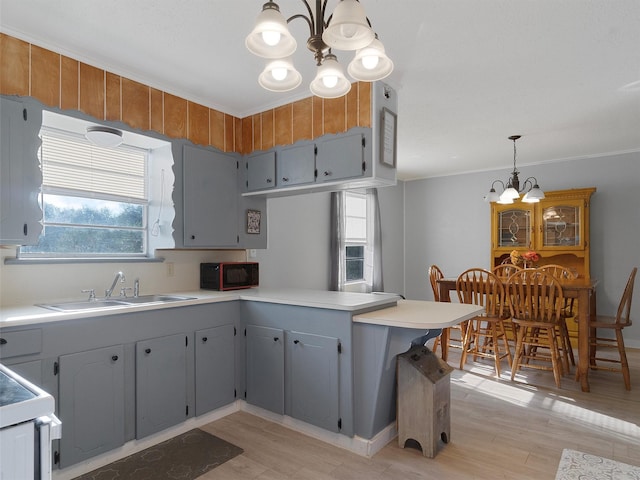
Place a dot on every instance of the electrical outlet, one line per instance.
(170, 269)
(252, 253)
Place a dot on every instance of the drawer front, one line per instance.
(20, 342)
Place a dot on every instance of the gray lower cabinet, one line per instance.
(161, 383)
(91, 403)
(265, 368)
(214, 368)
(313, 379)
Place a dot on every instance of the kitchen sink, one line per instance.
(153, 299)
(113, 303)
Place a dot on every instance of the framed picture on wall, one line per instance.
(388, 137)
(253, 221)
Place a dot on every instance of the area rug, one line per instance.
(184, 457)
(576, 465)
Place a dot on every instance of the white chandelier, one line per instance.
(512, 189)
(347, 29)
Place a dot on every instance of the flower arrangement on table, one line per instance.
(525, 259)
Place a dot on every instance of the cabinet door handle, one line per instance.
(147, 351)
(269, 180)
(193, 237)
(114, 358)
(204, 339)
(296, 341)
(285, 179)
(275, 339)
(3, 341)
(327, 173)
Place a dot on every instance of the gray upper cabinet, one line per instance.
(161, 383)
(20, 174)
(341, 157)
(210, 197)
(265, 368)
(91, 403)
(215, 372)
(295, 165)
(313, 379)
(261, 170)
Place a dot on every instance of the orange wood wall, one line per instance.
(60, 81)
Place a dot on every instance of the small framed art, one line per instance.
(253, 221)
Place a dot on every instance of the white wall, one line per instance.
(448, 223)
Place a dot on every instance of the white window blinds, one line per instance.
(73, 164)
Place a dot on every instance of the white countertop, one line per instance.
(346, 301)
(420, 314)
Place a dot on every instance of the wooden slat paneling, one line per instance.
(364, 104)
(157, 110)
(135, 104)
(92, 91)
(69, 83)
(352, 106)
(283, 127)
(237, 132)
(14, 68)
(45, 76)
(113, 94)
(267, 129)
(175, 116)
(302, 120)
(228, 133)
(247, 135)
(216, 135)
(318, 119)
(335, 116)
(257, 131)
(198, 124)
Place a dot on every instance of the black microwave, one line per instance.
(229, 275)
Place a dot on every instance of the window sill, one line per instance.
(51, 261)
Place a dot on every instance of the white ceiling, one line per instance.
(564, 74)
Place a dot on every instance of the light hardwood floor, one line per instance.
(499, 430)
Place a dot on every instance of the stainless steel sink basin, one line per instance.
(154, 299)
(113, 302)
(83, 305)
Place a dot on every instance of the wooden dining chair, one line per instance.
(483, 333)
(563, 273)
(535, 299)
(505, 270)
(617, 323)
(455, 341)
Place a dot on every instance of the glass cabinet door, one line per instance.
(562, 225)
(514, 228)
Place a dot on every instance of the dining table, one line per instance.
(582, 289)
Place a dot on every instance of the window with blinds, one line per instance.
(355, 235)
(94, 199)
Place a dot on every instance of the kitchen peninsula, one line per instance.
(316, 361)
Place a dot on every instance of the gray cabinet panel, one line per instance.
(313, 379)
(32, 371)
(215, 368)
(91, 403)
(20, 175)
(265, 368)
(210, 198)
(340, 157)
(296, 165)
(261, 171)
(161, 383)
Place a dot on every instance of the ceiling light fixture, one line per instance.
(347, 29)
(104, 136)
(512, 189)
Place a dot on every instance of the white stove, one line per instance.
(27, 427)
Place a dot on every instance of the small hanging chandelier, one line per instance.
(512, 189)
(347, 29)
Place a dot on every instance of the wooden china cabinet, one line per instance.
(557, 228)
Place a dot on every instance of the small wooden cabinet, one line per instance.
(557, 228)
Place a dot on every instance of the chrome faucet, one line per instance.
(119, 276)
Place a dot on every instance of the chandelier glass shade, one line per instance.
(512, 189)
(348, 28)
